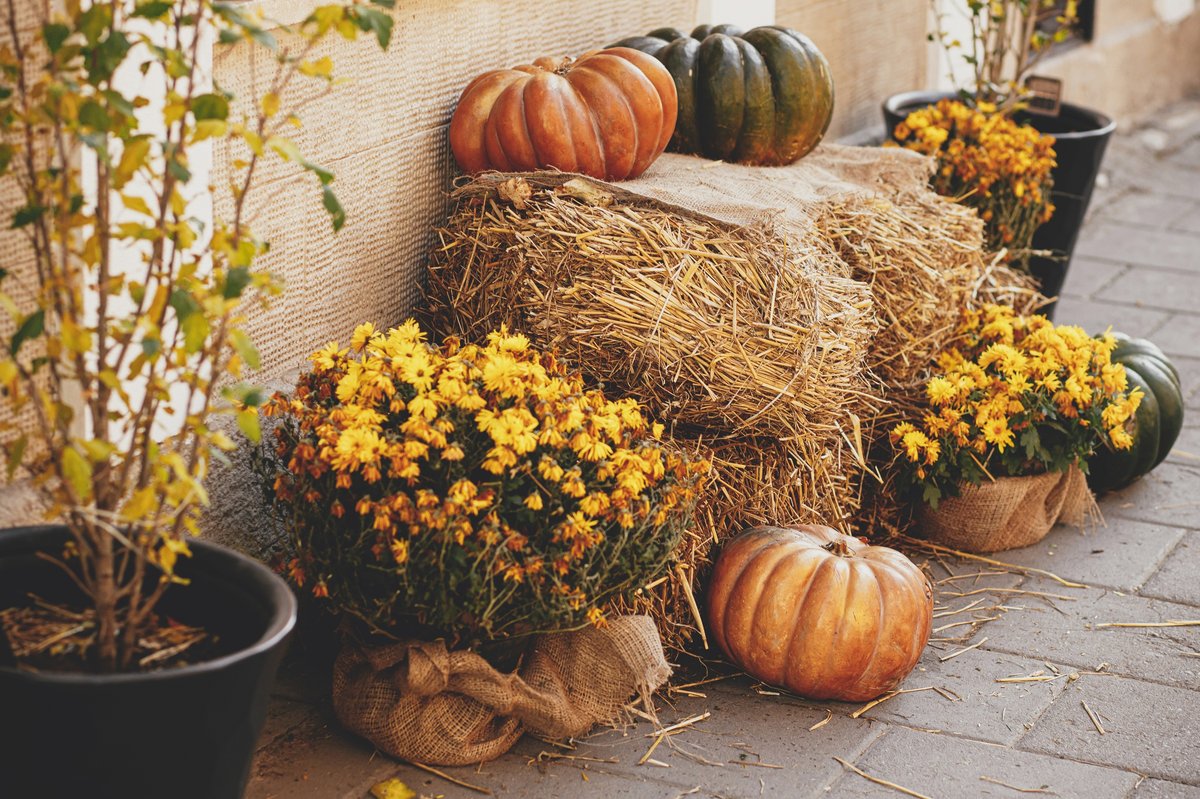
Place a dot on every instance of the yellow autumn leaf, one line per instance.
(78, 473)
(321, 68)
(270, 104)
(392, 789)
(135, 203)
(209, 129)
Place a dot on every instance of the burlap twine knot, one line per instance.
(418, 701)
(1009, 512)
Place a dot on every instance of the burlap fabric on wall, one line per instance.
(384, 135)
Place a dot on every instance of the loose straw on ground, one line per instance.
(879, 781)
(929, 545)
(448, 778)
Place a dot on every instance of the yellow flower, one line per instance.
(363, 334)
(940, 391)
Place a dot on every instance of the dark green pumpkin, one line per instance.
(1156, 424)
(763, 96)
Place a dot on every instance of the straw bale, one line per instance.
(732, 331)
(780, 320)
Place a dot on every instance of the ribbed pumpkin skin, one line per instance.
(762, 97)
(609, 115)
(1156, 423)
(792, 613)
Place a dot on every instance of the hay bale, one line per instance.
(780, 319)
(724, 330)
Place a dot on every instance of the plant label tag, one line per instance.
(1045, 95)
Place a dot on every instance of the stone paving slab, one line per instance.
(1178, 334)
(1161, 789)
(1096, 316)
(1148, 728)
(1188, 220)
(1133, 244)
(717, 755)
(942, 767)
(1186, 451)
(1145, 209)
(1089, 275)
(1157, 288)
(1189, 376)
(1168, 495)
(1179, 578)
(316, 761)
(1122, 555)
(978, 707)
(1065, 631)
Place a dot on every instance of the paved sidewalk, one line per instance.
(1046, 703)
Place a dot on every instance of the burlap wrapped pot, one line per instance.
(1009, 512)
(420, 702)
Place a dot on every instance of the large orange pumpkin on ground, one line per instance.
(819, 613)
(608, 114)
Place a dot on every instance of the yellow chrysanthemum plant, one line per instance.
(476, 492)
(991, 163)
(1019, 396)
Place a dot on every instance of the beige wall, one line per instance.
(875, 48)
(1138, 60)
(384, 135)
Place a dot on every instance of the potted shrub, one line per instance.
(1006, 45)
(991, 163)
(1000, 453)
(134, 659)
(470, 511)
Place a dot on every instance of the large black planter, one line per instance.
(184, 733)
(1081, 137)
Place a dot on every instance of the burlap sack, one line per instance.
(1008, 513)
(418, 701)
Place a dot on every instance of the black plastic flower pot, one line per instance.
(187, 732)
(1081, 137)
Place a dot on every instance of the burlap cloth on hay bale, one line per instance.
(1008, 513)
(420, 702)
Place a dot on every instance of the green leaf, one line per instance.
(151, 347)
(31, 327)
(245, 349)
(6, 155)
(107, 57)
(378, 22)
(152, 10)
(92, 114)
(183, 303)
(236, 280)
(337, 214)
(210, 106)
(27, 214)
(92, 23)
(78, 473)
(247, 422)
(16, 451)
(178, 171)
(54, 35)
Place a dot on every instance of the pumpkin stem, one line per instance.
(838, 547)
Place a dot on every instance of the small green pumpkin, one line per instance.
(1156, 423)
(763, 96)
